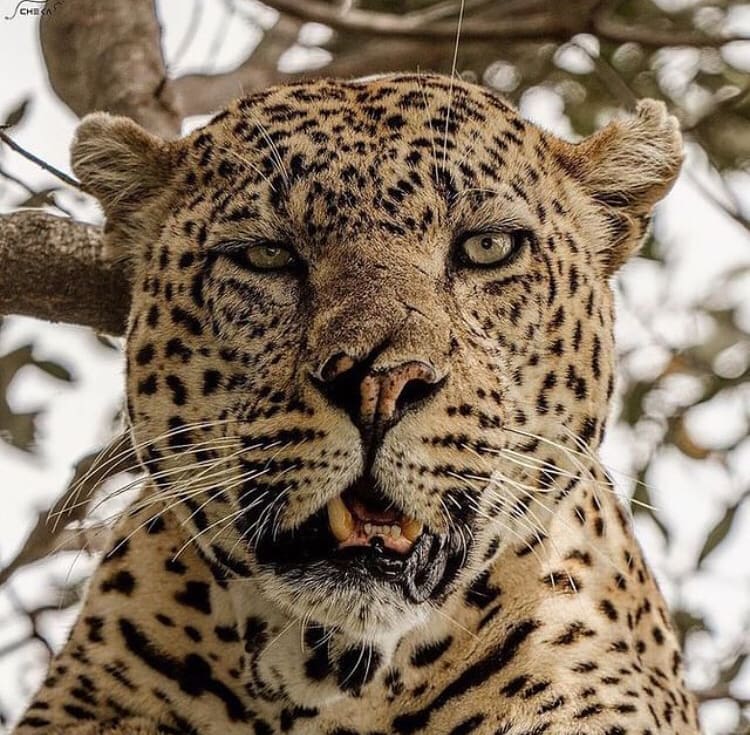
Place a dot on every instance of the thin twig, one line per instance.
(69, 180)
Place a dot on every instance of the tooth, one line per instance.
(368, 529)
(396, 531)
(411, 528)
(340, 519)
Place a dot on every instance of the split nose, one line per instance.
(377, 398)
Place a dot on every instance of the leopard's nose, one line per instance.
(376, 398)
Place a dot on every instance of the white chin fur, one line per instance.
(364, 614)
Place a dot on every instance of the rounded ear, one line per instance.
(127, 169)
(626, 168)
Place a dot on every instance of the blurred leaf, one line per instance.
(730, 672)
(107, 342)
(632, 402)
(19, 429)
(55, 370)
(719, 532)
(16, 114)
(685, 622)
(644, 505)
(680, 437)
(39, 199)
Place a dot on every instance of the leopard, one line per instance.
(369, 367)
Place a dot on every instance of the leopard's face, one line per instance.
(372, 330)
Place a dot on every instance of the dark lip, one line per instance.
(425, 572)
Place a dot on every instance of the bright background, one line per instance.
(698, 535)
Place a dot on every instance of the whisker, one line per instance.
(453, 76)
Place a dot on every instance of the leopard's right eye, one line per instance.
(259, 256)
(269, 256)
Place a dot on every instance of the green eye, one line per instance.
(485, 249)
(269, 256)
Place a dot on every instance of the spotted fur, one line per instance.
(544, 617)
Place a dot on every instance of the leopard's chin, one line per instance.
(361, 540)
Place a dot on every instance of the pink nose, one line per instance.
(377, 398)
(384, 395)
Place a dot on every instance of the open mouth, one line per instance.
(361, 535)
(361, 517)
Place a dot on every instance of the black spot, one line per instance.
(34, 721)
(227, 633)
(357, 666)
(177, 348)
(480, 592)
(155, 525)
(608, 609)
(211, 381)
(119, 550)
(95, 624)
(145, 355)
(179, 391)
(152, 318)
(193, 674)
(318, 666)
(79, 713)
(147, 386)
(189, 321)
(428, 653)
(255, 634)
(468, 726)
(195, 595)
(193, 633)
(289, 716)
(122, 582)
(175, 566)
(496, 659)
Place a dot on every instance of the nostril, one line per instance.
(335, 366)
(414, 392)
(339, 380)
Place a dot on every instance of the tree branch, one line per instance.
(54, 268)
(613, 30)
(106, 55)
(538, 26)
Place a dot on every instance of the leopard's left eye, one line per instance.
(485, 249)
(269, 256)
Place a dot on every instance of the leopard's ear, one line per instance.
(626, 168)
(127, 169)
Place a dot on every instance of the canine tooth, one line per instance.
(340, 519)
(411, 528)
(368, 529)
(396, 531)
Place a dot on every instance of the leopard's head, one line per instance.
(370, 321)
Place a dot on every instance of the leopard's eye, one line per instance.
(486, 249)
(269, 256)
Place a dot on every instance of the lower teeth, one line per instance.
(342, 524)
